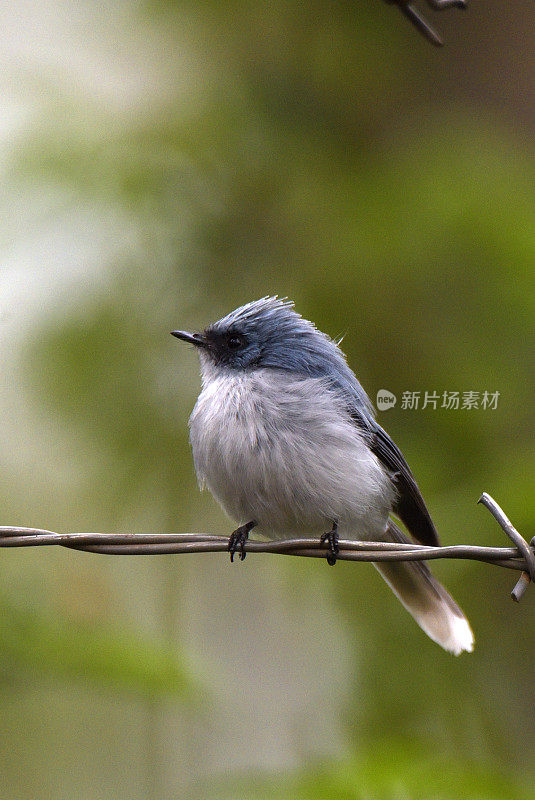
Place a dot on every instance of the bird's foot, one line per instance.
(331, 537)
(237, 540)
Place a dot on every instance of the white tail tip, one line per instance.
(458, 638)
(461, 639)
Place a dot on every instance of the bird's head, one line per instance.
(269, 334)
(264, 333)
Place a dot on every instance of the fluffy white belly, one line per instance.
(285, 453)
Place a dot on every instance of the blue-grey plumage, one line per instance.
(285, 438)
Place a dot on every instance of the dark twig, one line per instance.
(421, 25)
(414, 16)
(520, 557)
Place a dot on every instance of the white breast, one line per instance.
(285, 453)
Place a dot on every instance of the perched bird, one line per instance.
(285, 438)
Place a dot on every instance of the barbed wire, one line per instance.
(520, 557)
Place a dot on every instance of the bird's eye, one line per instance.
(235, 342)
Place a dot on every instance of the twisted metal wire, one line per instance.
(520, 557)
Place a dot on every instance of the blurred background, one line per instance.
(161, 164)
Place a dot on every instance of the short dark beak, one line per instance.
(192, 338)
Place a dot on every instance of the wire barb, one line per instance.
(524, 549)
(520, 557)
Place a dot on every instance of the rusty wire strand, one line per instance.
(520, 557)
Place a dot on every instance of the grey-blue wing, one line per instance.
(410, 505)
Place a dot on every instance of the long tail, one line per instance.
(427, 600)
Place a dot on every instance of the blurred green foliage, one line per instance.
(393, 771)
(103, 656)
(313, 151)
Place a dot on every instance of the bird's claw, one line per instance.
(331, 537)
(237, 540)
